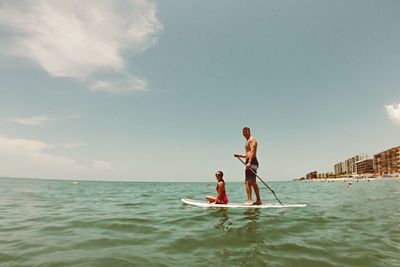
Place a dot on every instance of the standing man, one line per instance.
(251, 166)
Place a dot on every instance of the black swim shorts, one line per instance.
(250, 174)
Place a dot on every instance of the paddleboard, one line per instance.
(204, 204)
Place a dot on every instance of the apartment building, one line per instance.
(312, 175)
(340, 168)
(351, 163)
(365, 166)
(387, 162)
(325, 175)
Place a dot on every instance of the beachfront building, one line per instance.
(325, 175)
(351, 163)
(387, 162)
(365, 166)
(340, 168)
(312, 175)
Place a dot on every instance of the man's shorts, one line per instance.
(249, 174)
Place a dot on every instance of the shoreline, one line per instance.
(343, 179)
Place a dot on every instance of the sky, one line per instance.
(160, 90)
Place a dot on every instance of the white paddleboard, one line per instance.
(204, 204)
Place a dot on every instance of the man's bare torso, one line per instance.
(251, 143)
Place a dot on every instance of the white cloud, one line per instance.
(119, 86)
(100, 165)
(40, 120)
(393, 112)
(31, 121)
(28, 158)
(32, 159)
(74, 144)
(82, 38)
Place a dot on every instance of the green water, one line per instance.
(59, 223)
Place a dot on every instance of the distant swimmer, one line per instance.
(221, 197)
(251, 166)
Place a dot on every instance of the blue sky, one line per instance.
(160, 90)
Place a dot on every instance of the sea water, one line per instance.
(66, 223)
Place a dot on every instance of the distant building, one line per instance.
(351, 163)
(387, 162)
(365, 166)
(340, 168)
(312, 175)
(325, 175)
(330, 175)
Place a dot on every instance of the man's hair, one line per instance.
(221, 173)
(246, 128)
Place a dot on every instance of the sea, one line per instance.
(90, 223)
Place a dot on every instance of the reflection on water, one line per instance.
(250, 215)
(223, 223)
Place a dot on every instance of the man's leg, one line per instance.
(257, 191)
(248, 191)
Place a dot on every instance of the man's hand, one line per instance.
(248, 165)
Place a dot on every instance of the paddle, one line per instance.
(262, 181)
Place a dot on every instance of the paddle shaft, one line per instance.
(262, 181)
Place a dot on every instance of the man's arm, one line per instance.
(239, 155)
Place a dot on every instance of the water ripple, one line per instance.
(57, 223)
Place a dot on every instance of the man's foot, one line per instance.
(257, 203)
(248, 203)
